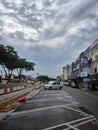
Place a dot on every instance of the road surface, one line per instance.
(50, 110)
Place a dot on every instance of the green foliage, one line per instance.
(10, 60)
(44, 78)
(22, 64)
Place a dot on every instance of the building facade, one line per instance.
(84, 70)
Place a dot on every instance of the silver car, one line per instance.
(53, 85)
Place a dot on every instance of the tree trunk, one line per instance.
(5, 71)
(9, 76)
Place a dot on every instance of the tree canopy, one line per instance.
(10, 60)
(44, 78)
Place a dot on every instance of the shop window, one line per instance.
(95, 70)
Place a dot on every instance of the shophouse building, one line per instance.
(84, 70)
(65, 77)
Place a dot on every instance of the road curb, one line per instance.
(5, 114)
(11, 100)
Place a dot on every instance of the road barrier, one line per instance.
(22, 99)
(21, 95)
(11, 100)
(11, 89)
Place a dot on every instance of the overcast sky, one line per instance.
(50, 33)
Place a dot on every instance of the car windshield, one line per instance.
(51, 82)
(54, 83)
(58, 83)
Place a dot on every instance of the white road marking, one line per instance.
(50, 107)
(70, 127)
(85, 114)
(81, 119)
(90, 118)
(65, 96)
(36, 110)
(79, 124)
(54, 94)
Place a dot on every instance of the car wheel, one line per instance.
(60, 88)
(50, 88)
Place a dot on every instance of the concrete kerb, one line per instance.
(11, 100)
(33, 93)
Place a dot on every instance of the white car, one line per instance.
(53, 85)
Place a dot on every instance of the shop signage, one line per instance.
(86, 80)
(84, 74)
(84, 61)
(91, 71)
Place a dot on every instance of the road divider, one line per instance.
(11, 89)
(19, 96)
(7, 102)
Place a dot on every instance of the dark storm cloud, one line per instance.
(84, 9)
(58, 27)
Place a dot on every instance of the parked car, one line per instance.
(53, 85)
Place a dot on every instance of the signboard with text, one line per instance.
(84, 61)
(84, 74)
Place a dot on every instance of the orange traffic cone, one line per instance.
(22, 99)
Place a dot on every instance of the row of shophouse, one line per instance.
(83, 72)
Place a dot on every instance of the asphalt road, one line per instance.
(50, 110)
(87, 99)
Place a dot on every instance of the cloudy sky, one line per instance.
(50, 33)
